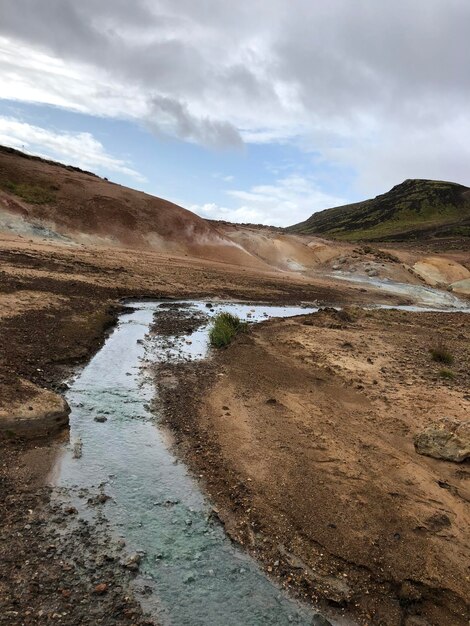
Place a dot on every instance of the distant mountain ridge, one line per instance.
(416, 208)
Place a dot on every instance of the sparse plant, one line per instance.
(35, 194)
(224, 328)
(447, 374)
(348, 314)
(441, 354)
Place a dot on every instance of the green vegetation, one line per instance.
(224, 328)
(35, 194)
(407, 211)
(441, 354)
(448, 374)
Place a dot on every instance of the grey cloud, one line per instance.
(167, 114)
(338, 72)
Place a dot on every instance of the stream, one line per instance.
(195, 573)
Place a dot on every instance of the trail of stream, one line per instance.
(190, 570)
(197, 575)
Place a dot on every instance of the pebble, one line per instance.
(132, 562)
(100, 588)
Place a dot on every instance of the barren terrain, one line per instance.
(302, 430)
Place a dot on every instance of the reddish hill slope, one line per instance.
(46, 198)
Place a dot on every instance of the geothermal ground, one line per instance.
(301, 433)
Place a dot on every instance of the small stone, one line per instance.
(438, 521)
(320, 620)
(100, 589)
(447, 439)
(101, 419)
(132, 562)
(409, 592)
(71, 510)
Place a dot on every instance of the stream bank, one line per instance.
(119, 472)
(302, 434)
(86, 591)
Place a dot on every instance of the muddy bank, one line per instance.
(54, 568)
(56, 305)
(302, 432)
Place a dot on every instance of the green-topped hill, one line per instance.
(414, 209)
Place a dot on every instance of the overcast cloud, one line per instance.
(382, 88)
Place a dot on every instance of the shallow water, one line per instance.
(197, 575)
(423, 297)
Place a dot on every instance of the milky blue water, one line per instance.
(197, 575)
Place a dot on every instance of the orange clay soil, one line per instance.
(303, 432)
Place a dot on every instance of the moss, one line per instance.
(34, 194)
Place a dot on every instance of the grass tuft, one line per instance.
(448, 374)
(441, 354)
(224, 328)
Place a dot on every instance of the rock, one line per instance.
(121, 544)
(132, 562)
(190, 578)
(447, 439)
(71, 510)
(319, 620)
(77, 449)
(100, 589)
(438, 521)
(101, 419)
(409, 592)
(99, 499)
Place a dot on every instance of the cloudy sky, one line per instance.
(255, 110)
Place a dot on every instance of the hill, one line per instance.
(42, 198)
(414, 209)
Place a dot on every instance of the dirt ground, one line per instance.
(304, 442)
(56, 302)
(303, 433)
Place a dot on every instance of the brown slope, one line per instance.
(42, 197)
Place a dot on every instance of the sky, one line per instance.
(260, 111)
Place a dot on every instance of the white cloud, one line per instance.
(405, 151)
(337, 77)
(79, 149)
(288, 201)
